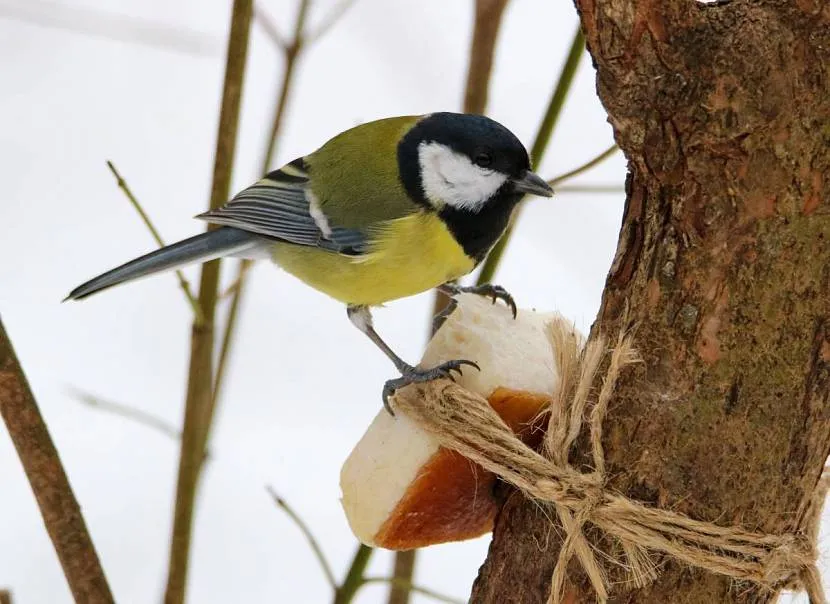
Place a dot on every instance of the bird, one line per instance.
(384, 210)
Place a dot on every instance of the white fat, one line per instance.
(451, 178)
(317, 213)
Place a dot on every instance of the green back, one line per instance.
(355, 174)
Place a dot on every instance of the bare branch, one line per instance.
(412, 588)
(354, 576)
(269, 26)
(291, 54)
(329, 21)
(199, 404)
(47, 477)
(183, 282)
(315, 545)
(590, 189)
(137, 415)
(488, 17)
(554, 110)
(591, 163)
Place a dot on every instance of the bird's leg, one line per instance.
(496, 292)
(361, 317)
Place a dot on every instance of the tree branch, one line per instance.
(58, 507)
(354, 576)
(198, 413)
(183, 283)
(312, 541)
(291, 52)
(540, 144)
(488, 18)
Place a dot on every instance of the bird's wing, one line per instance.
(281, 206)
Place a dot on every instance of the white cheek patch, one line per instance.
(451, 178)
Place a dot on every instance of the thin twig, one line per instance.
(488, 18)
(315, 545)
(546, 128)
(198, 413)
(590, 189)
(412, 588)
(291, 53)
(137, 415)
(183, 282)
(329, 21)
(269, 26)
(591, 163)
(58, 507)
(231, 289)
(354, 576)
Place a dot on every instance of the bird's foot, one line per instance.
(414, 375)
(496, 292)
(444, 314)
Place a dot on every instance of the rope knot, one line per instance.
(466, 423)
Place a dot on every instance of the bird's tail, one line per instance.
(224, 241)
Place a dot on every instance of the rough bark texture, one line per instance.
(723, 111)
(58, 507)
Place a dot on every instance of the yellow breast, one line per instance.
(407, 256)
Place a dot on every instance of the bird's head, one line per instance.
(466, 162)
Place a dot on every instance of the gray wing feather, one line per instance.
(277, 207)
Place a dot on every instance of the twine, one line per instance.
(465, 422)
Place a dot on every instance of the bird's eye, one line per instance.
(483, 159)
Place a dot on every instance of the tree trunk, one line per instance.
(723, 260)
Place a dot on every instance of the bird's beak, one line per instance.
(532, 184)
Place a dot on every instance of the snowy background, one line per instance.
(303, 384)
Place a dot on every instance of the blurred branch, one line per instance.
(58, 507)
(315, 546)
(122, 28)
(354, 576)
(329, 21)
(137, 415)
(269, 26)
(199, 403)
(560, 94)
(488, 17)
(591, 189)
(591, 163)
(543, 136)
(183, 283)
(291, 55)
(410, 588)
(403, 572)
(5, 596)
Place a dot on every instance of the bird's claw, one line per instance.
(495, 292)
(418, 376)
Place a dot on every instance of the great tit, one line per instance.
(384, 210)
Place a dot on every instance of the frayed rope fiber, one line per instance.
(465, 422)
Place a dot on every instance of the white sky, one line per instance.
(303, 383)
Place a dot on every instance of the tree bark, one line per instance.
(723, 261)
